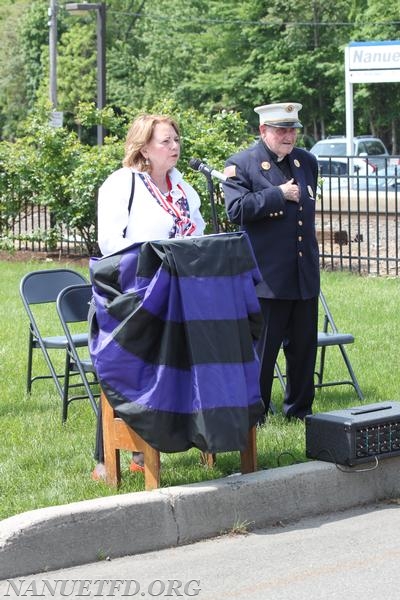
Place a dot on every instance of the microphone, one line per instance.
(197, 165)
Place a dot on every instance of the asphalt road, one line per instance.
(352, 554)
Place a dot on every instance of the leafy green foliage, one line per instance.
(207, 54)
(33, 39)
(12, 68)
(94, 165)
(77, 63)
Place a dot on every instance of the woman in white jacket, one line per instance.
(147, 199)
(163, 204)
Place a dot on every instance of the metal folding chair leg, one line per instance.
(329, 336)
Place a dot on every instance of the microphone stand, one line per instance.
(210, 187)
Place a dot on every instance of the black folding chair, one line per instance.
(39, 288)
(73, 306)
(329, 336)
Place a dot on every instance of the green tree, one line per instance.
(168, 54)
(125, 52)
(34, 37)
(206, 54)
(13, 89)
(305, 61)
(77, 66)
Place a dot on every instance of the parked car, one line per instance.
(336, 166)
(369, 153)
(387, 178)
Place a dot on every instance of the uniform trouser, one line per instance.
(292, 324)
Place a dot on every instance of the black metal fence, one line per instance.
(358, 219)
(357, 222)
(33, 230)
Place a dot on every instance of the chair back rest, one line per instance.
(328, 317)
(73, 303)
(39, 287)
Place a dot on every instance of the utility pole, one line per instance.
(101, 65)
(52, 12)
(56, 119)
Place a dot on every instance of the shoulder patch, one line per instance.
(230, 171)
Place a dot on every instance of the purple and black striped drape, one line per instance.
(173, 340)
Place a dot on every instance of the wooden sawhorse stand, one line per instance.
(117, 435)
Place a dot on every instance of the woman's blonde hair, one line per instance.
(139, 134)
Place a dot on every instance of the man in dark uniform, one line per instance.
(271, 192)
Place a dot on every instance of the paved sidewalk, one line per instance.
(348, 554)
(85, 532)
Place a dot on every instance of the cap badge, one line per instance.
(289, 108)
(265, 165)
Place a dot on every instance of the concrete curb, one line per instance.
(83, 532)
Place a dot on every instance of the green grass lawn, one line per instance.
(43, 462)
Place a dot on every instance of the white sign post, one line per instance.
(368, 62)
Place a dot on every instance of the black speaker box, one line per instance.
(354, 435)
